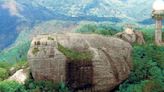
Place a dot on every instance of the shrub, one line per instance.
(153, 86)
(61, 87)
(3, 74)
(5, 65)
(11, 86)
(148, 34)
(147, 74)
(45, 86)
(20, 65)
(103, 29)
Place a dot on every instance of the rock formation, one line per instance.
(131, 36)
(110, 62)
(20, 76)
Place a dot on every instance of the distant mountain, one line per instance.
(18, 15)
(133, 10)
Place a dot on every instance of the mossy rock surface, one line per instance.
(50, 38)
(75, 55)
(35, 50)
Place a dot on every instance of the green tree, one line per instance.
(11, 86)
(3, 74)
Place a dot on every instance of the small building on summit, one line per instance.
(158, 15)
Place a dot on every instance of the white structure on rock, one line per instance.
(158, 15)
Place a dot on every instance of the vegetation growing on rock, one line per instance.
(50, 38)
(21, 65)
(102, 29)
(74, 55)
(35, 50)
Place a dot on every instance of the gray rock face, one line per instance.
(111, 59)
(131, 36)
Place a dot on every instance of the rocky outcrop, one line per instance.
(20, 76)
(111, 58)
(131, 36)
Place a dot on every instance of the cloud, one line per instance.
(11, 5)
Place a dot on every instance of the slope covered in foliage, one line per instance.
(148, 70)
(15, 53)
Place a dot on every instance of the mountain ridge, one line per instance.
(22, 14)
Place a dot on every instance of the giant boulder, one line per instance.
(111, 58)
